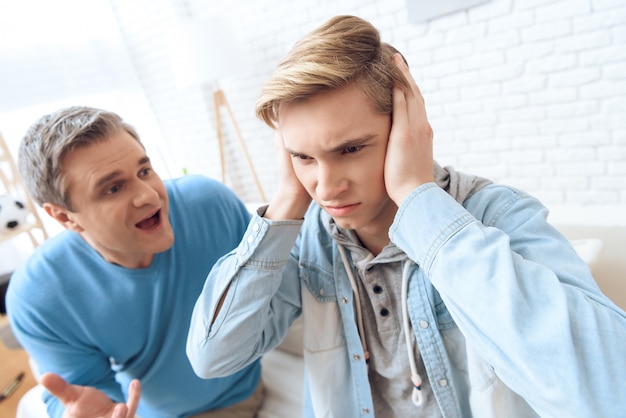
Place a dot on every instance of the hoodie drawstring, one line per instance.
(417, 396)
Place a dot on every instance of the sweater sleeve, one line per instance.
(45, 335)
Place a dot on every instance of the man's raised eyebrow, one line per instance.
(143, 160)
(104, 180)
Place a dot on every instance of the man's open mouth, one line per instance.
(150, 222)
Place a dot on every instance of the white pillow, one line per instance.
(588, 249)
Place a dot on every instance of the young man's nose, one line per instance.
(331, 182)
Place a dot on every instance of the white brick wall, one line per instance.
(531, 93)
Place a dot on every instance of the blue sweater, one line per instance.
(101, 325)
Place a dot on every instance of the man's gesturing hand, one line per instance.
(88, 402)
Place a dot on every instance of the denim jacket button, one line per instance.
(443, 383)
(344, 299)
(423, 324)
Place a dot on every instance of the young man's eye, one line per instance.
(301, 157)
(145, 171)
(351, 149)
(113, 189)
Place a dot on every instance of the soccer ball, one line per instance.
(13, 214)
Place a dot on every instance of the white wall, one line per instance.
(531, 93)
(527, 92)
(65, 53)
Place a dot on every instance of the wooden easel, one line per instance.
(219, 101)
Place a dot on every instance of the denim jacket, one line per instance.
(508, 319)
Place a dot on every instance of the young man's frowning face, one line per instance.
(338, 144)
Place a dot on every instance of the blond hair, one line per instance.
(344, 50)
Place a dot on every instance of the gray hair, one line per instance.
(54, 136)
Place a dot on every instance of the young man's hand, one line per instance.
(409, 159)
(291, 200)
(88, 402)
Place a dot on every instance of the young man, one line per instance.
(107, 303)
(423, 291)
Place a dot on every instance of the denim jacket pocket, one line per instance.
(444, 319)
(320, 313)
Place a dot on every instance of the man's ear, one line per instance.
(63, 216)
